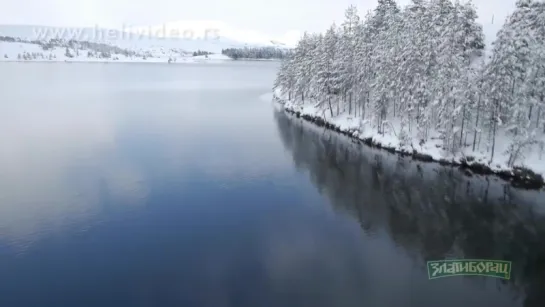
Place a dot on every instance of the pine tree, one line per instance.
(423, 69)
(347, 48)
(67, 53)
(325, 67)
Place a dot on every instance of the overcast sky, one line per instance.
(272, 17)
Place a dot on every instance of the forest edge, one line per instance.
(519, 177)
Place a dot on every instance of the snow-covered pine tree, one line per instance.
(285, 80)
(414, 61)
(382, 25)
(473, 41)
(328, 83)
(67, 53)
(423, 67)
(512, 73)
(301, 62)
(364, 49)
(347, 52)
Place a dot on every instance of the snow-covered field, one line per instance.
(15, 52)
(190, 35)
(28, 43)
(534, 158)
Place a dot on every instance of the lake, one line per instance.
(184, 185)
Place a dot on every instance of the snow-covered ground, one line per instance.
(156, 43)
(15, 52)
(534, 158)
(187, 35)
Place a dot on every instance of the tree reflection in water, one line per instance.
(429, 211)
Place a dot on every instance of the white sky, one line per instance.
(271, 17)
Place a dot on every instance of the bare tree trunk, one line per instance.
(489, 137)
(462, 130)
(427, 133)
(355, 104)
(452, 124)
(538, 116)
(494, 126)
(418, 113)
(366, 102)
(410, 122)
(493, 142)
(477, 121)
(382, 118)
(362, 111)
(542, 97)
(350, 103)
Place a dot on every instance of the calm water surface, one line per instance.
(183, 185)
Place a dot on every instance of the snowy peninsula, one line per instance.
(408, 81)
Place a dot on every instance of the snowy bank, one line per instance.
(529, 176)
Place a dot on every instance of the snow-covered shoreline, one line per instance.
(530, 177)
(427, 87)
(27, 52)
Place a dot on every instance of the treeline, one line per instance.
(200, 52)
(8, 39)
(33, 56)
(256, 53)
(423, 67)
(97, 50)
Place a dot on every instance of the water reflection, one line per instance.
(428, 211)
(90, 139)
(128, 192)
(56, 164)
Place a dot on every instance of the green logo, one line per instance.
(490, 268)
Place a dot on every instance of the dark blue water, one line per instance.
(183, 185)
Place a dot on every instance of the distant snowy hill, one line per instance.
(17, 51)
(172, 42)
(189, 35)
(217, 29)
(122, 39)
